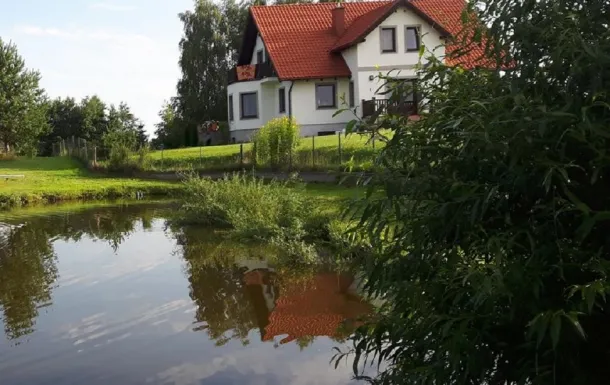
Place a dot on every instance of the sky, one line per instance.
(120, 50)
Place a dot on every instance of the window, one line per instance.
(231, 108)
(282, 99)
(326, 95)
(412, 39)
(388, 39)
(259, 56)
(403, 90)
(249, 105)
(351, 94)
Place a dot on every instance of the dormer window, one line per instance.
(388, 39)
(259, 56)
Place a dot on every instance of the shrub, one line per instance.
(252, 208)
(492, 233)
(275, 143)
(144, 160)
(118, 158)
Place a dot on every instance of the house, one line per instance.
(310, 60)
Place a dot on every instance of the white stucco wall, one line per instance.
(369, 51)
(367, 89)
(268, 102)
(350, 56)
(236, 89)
(304, 106)
(372, 62)
(259, 45)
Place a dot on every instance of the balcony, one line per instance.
(262, 71)
(388, 107)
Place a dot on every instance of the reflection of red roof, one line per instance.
(314, 308)
(302, 45)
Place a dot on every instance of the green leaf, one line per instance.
(555, 329)
(573, 318)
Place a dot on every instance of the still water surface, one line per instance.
(116, 295)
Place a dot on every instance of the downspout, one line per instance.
(290, 99)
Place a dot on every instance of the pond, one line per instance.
(118, 295)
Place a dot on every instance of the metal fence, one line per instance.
(331, 152)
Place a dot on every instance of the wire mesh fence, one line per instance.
(332, 152)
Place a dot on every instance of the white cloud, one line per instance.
(101, 35)
(131, 63)
(40, 31)
(112, 7)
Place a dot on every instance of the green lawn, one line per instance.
(58, 179)
(357, 152)
(48, 180)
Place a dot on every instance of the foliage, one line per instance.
(93, 121)
(22, 103)
(204, 61)
(119, 157)
(276, 142)
(491, 234)
(252, 208)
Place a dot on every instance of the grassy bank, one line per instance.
(47, 180)
(319, 153)
(301, 221)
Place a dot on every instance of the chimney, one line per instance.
(338, 20)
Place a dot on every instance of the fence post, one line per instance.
(340, 151)
(241, 154)
(201, 156)
(313, 151)
(86, 152)
(94, 156)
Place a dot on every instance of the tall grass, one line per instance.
(252, 208)
(280, 214)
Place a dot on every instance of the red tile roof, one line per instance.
(302, 45)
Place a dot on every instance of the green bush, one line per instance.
(276, 142)
(492, 232)
(118, 158)
(252, 208)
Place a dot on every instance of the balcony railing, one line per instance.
(263, 70)
(388, 107)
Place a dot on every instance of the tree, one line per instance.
(22, 102)
(141, 135)
(204, 63)
(490, 234)
(94, 124)
(169, 132)
(123, 128)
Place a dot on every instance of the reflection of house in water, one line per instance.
(315, 306)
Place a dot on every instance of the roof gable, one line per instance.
(301, 43)
(366, 23)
